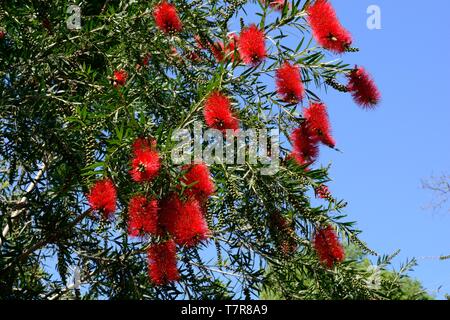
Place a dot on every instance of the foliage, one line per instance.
(64, 125)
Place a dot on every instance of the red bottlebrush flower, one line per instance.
(162, 263)
(316, 116)
(145, 165)
(328, 247)
(322, 192)
(120, 77)
(305, 150)
(326, 28)
(363, 88)
(289, 83)
(183, 220)
(2, 34)
(252, 46)
(221, 52)
(198, 177)
(166, 17)
(142, 216)
(146, 59)
(218, 114)
(143, 144)
(103, 197)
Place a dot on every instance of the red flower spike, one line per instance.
(326, 28)
(305, 150)
(218, 114)
(183, 220)
(103, 197)
(143, 144)
(162, 263)
(363, 88)
(198, 177)
(289, 83)
(328, 247)
(316, 116)
(166, 18)
(120, 78)
(322, 192)
(142, 216)
(145, 165)
(2, 34)
(252, 46)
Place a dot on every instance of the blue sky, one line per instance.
(387, 152)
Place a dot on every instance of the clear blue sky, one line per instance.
(388, 151)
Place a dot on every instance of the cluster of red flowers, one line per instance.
(142, 216)
(166, 18)
(252, 45)
(289, 83)
(323, 192)
(162, 263)
(120, 78)
(363, 88)
(197, 179)
(146, 163)
(182, 220)
(328, 247)
(326, 28)
(103, 197)
(218, 114)
(315, 128)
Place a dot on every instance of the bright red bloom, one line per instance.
(363, 88)
(120, 77)
(221, 52)
(166, 17)
(328, 247)
(142, 216)
(252, 46)
(198, 178)
(183, 220)
(146, 59)
(218, 114)
(322, 192)
(145, 165)
(316, 116)
(305, 149)
(326, 28)
(289, 83)
(162, 263)
(103, 197)
(143, 144)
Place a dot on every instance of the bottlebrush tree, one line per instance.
(88, 181)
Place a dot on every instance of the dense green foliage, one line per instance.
(64, 125)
